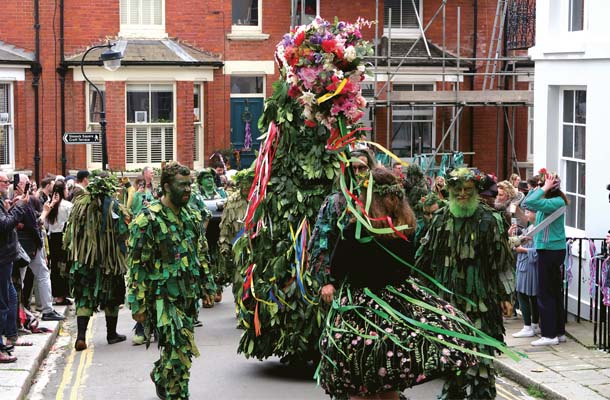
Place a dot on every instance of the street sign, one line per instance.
(82, 137)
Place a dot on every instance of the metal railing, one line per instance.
(588, 255)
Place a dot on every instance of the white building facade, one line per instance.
(572, 109)
(571, 128)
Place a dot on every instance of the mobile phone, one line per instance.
(27, 188)
(513, 221)
(15, 181)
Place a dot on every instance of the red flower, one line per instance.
(329, 45)
(311, 124)
(292, 56)
(294, 91)
(542, 172)
(299, 38)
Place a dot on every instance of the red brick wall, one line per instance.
(205, 25)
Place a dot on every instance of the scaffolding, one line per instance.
(513, 28)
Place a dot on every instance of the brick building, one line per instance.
(195, 74)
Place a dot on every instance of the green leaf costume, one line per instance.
(95, 241)
(168, 273)
(230, 225)
(472, 258)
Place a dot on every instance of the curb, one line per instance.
(524, 380)
(42, 354)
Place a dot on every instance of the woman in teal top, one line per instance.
(550, 245)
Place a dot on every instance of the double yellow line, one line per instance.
(505, 394)
(84, 362)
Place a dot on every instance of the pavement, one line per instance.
(17, 378)
(570, 370)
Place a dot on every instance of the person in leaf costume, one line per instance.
(166, 271)
(232, 222)
(311, 104)
(95, 241)
(466, 249)
(209, 191)
(384, 332)
(197, 203)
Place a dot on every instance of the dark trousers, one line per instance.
(5, 285)
(529, 308)
(550, 292)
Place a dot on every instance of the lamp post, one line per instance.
(112, 62)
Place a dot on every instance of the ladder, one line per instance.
(495, 44)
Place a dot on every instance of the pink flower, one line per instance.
(420, 378)
(368, 342)
(390, 354)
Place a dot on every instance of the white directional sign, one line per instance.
(82, 137)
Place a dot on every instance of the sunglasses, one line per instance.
(4, 181)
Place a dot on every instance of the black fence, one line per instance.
(599, 313)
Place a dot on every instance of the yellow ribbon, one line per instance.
(328, 96)
(386, 151)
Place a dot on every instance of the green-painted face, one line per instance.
(207, 184)
(180, 190)
(463, 199)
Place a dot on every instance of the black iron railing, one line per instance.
(592, 252)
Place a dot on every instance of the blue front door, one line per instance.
(245, 111)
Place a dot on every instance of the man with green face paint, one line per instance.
(166, 271)
(466, 249)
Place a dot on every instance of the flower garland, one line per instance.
(323, 61)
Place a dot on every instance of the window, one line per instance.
(6, 126)
(305, 11)
(246, 84)
(198, 127)
(149, 136)
(94, 151)
(576, 14)
(245, 13)
(412, 126)
(573, 157)
(404, 16)
(143, 18)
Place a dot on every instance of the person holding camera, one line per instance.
(10, 216)
(54, 223)
(31, 239)
(550, 244)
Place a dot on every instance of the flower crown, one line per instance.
(464, 175)
(542, 175)
(386, 189)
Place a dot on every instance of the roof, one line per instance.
(418, 56)
(152, 52)
(10, 54)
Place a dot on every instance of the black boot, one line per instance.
(81, 323)
(111, 336)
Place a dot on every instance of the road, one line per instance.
(121, 371)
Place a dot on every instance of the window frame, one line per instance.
(581, 162)
(299, 21)
(93, 126)
(151, 125)
(570, 21)
(142, 30)
(10, 126)
(244, 29)
(530, 127)
(405, 33)
(414, 111)
(198, 128)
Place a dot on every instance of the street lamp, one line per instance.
(112, 62)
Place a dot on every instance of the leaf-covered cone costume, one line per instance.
(167, 274)
(472, 258)
(95, 240)
(317, 95)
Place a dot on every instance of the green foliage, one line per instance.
(302, 175)
(534, 391)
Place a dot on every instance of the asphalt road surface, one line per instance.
(121, 371)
